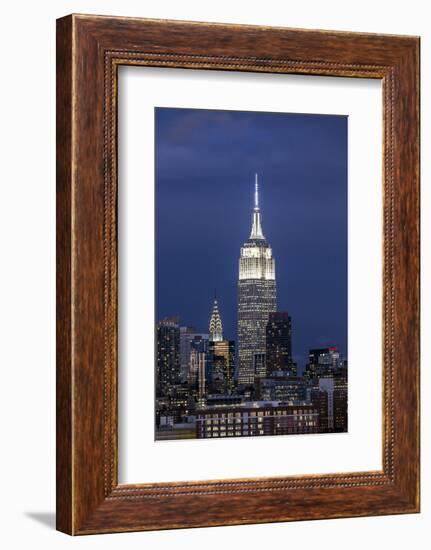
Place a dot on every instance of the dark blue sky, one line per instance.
(205, 166)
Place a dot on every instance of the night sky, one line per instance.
(205, 166)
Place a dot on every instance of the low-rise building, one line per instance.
(256, 419)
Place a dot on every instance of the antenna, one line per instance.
(256, 193)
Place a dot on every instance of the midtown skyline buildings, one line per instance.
(263, 336)
(256, 302)
(258, 320)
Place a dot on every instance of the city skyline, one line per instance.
(208, 384)
(319, 314)
(252, 266)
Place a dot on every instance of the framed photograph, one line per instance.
(237, 274)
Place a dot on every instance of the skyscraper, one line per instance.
(279, 343)
(222, 366)
(197, 375)
(168, 357)
(216, 328)
(257, 296)
(221, 356)
(188, 336)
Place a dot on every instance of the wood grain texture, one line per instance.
(90, 49)
(64, 497)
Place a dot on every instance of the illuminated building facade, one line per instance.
(257, 296)
(329, 395)
(188, 339)
(168, 363)
(279, 387)
(216, 327)
(259, 365)
(222, 366)
(197, 376)
(257, 419)
(279, 343)
(323, 362)
(221, 356)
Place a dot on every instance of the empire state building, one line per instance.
(257, 296)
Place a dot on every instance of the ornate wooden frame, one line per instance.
(89, 51)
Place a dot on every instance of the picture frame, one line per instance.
(89, 51)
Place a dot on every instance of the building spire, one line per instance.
(216, 328)
(256, 229)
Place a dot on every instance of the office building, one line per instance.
(279, 343)
(168, 364)
(257, 296)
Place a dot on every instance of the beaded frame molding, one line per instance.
(89, 51)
